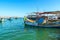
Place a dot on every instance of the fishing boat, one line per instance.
(43, 19)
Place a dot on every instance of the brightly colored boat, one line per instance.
(42, 21)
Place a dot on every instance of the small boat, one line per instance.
(2, 20)
(40, 20)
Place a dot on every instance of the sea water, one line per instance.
(15, 29)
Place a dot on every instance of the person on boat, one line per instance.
(45, 20)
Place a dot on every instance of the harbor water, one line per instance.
(15, 29)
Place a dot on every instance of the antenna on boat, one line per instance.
(37, 8)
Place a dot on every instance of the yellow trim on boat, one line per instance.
(31, 20)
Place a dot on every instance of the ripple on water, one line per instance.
(15, 30)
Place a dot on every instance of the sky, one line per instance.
(24, 7)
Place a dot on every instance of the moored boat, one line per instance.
(44, 19)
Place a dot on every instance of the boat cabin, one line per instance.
(50, 15)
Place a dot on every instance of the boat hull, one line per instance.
(45, 25)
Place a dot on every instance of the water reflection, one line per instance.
(45, 33)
